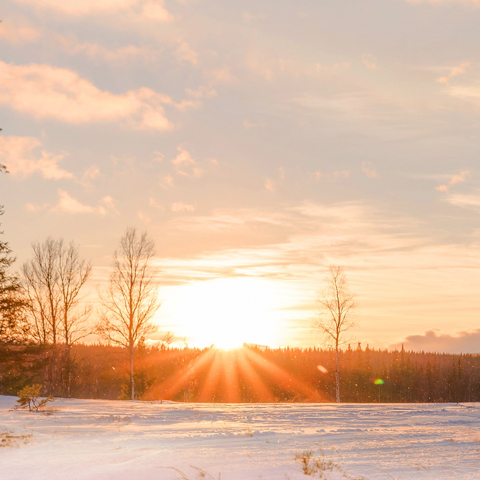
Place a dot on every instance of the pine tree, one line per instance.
(12, 324)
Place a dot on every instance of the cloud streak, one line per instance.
(336, 175)
(460, 70)
(18, 32)
(460, 178)
(44, 91)
(23, 158)
(182, 207)
(70, 205)
(465, 201)
(151, 10)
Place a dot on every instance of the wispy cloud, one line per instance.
(369, 169)
(460, 178)
(81, 7)
(44, 91)
(165, 181)
(91, 172)
(144, 217)
(23, 156)
(125, 53)
(185, 165)
(247, 124)
(155, 10)
(153, 203)
(185, 53)
(458, 70)
(18, 32)
(369, 61)
(337, 174)
(471, 201)
(88, 177)
(204, 91)
(269, 184)
(151, 10)
(252, 17)
(182, 207)
(68, 204)
(219, 75)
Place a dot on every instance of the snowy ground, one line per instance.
(96, 439)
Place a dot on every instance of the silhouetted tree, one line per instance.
(131, 298)
(13, 327)
(52, 281)
(335, 318)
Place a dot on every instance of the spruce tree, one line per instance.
(12, 324)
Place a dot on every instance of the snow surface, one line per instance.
(100, 440)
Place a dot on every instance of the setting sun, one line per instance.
(228, 312)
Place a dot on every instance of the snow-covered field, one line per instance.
(96, 439)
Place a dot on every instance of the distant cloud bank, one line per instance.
(432, 341)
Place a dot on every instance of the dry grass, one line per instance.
(199, 473)
(324, 465)
(8, 439)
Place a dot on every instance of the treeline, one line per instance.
(249, 374)
(44, 317)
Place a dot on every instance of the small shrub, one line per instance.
(323, 465)
(28, 398)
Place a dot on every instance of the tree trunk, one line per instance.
(337, 375)
(132, 383)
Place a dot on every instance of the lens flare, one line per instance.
(378, 381)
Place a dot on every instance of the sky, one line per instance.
(257, 143)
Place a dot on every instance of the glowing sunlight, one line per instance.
(227, 312)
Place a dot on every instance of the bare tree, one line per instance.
(335, 317)
(40, 284)
(73, 273)
(52, 281)
(131, 298)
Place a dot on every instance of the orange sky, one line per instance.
(257, 144)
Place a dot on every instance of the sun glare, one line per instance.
(228, 312)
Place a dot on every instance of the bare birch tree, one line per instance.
(73, 273)
(131, 298)
(52, 281)
(40, 284)
(336, 315)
